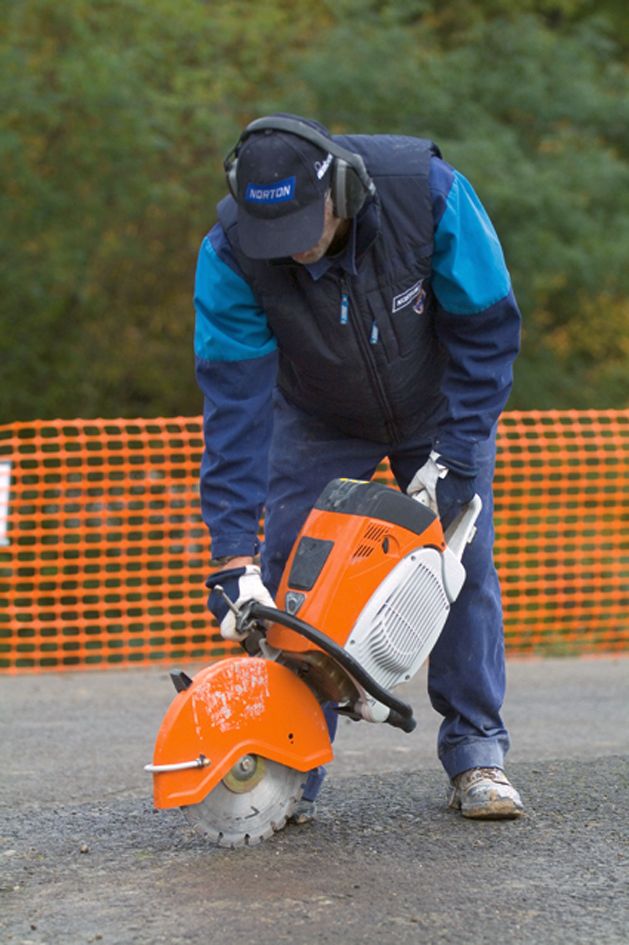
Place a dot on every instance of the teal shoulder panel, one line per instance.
(469, 270)
(229, 323)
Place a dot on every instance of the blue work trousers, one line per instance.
(466, 673)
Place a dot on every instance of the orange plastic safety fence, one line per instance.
(103, 554)
(561, 514)
(106, 556)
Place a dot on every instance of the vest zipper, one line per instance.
(365, 344)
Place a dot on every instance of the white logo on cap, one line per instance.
(322, 166)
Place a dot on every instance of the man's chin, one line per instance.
(306, 258)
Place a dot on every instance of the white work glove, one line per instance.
(443, 487)
(423, 485)
(241, 585)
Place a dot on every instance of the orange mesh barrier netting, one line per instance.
(562, 547)
(103, 554)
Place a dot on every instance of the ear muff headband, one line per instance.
(351, 184)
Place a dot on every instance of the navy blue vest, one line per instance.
(377, 373)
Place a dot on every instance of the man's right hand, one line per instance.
(240, 584)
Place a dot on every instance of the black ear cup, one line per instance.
(230, 165)
(232, 178)
(351, 184)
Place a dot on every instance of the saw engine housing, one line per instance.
(372, 569)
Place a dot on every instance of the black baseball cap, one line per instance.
(282, 182)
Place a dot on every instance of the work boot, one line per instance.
(485, 794)
(304, 813)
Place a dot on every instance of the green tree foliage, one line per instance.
(538, 119)
(115, 118)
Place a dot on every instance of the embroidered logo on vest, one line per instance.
(415, 294)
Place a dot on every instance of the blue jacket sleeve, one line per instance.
(235, 356)
(477, 317)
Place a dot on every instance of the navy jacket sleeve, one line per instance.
(477, 318)
(235, 355)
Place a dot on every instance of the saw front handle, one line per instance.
(400, 713)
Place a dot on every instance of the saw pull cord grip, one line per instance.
(401, 712)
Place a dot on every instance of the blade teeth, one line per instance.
(231, 838)
(231, 843)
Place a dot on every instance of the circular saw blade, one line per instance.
(253, 800)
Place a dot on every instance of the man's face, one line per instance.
(332, 227)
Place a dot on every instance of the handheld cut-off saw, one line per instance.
(363, 598)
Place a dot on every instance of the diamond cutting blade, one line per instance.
(252, 801)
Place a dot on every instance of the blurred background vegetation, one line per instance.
(115, 116)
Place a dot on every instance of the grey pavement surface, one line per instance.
(84, 858)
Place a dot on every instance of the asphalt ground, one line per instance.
(85, 858)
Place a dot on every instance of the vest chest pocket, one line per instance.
(402, 317)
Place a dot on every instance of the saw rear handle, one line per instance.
(460, 532)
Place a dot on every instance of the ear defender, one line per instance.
(351, 183)
(348, 188)
(231, 169)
